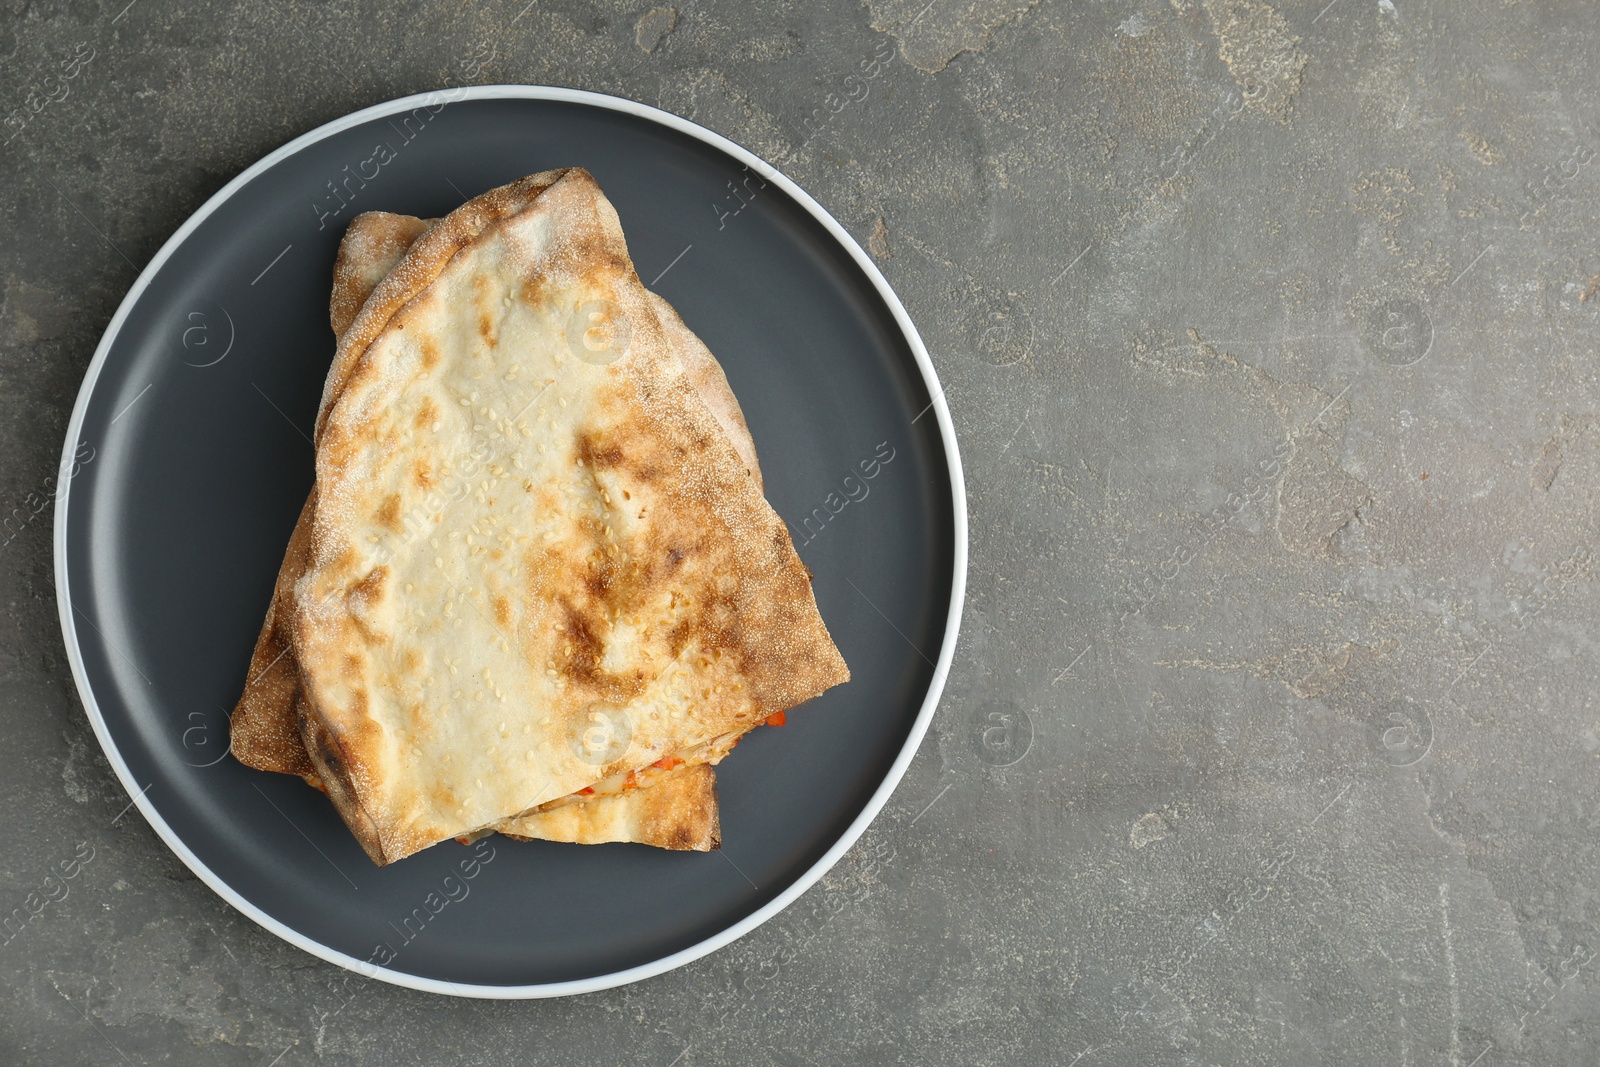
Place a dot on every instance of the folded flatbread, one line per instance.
(536, 563)
(677, 809)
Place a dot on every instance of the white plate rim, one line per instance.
(880, 796)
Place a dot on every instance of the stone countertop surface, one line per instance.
(1269, 334)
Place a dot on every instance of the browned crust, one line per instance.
(678, 812)
(428, 256)
(369, 287)
(263, 727)
(770, 626)
(372, 246)
(422, 264)
(710, 381)
(332, 764)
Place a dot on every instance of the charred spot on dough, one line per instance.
(579, 654)
(595, 455)
(422, 474)
(369, 590)
(602, 261)
(333, 769)
(330, 755)
(361, 598)
(413, 660)
(502, 611)
(600, 577)
(710, 622)
(337, 448)
(345, 559)
(430, 353)
(389, 512)
(417, 712)
(532, 290)
(678, 637)
(582, 649)
(444, 798)
(427, 413)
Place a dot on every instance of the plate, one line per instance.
(188, 457)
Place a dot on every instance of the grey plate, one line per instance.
(192, 461)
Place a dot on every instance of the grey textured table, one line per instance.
(1269, 333)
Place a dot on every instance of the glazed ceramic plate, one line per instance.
(188, 458)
